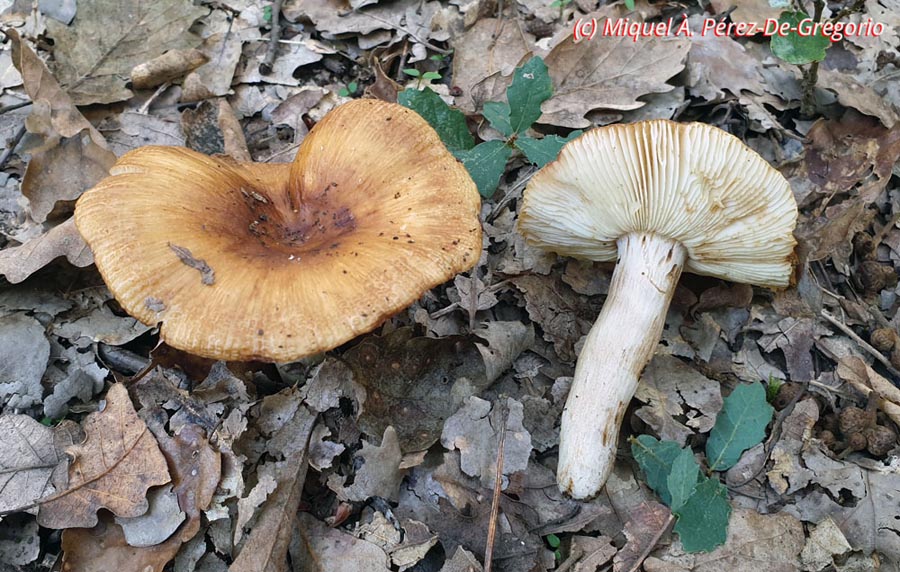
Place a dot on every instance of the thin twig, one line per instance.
(862, 343)
(146, 107)
(267, 63)
(652, 544)
(14, 106)
(13, 143)
(498, 485)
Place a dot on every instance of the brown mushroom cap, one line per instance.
(279, 261)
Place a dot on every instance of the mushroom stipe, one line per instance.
(658, 197)
(293, 259)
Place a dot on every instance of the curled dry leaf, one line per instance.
(118, 461)
(19, 262)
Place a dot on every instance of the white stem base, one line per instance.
(615, 353)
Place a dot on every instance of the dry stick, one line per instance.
(862, 343)
(13, 143)
(266, 66)
(498, 484)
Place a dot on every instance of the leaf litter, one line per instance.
(400, 462)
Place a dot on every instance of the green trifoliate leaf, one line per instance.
(703, 520)
(542, 151)
(741, 424)
(449, 123)
(497, 114)
(798, 45)
(655, 458)
(486, 163)
(682, 479)
(531, 86)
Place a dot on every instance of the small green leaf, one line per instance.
(542, 151)
(436, 57)
(486, 163)
(741, 424)
(412, 72)
(431, 75)
(552, 540)
(449, 123)
(497, 114)
(773, 387)
(655, 458)
(795, 48)
(352, 86)
(267, 14)
(703, 520)
(682, 479)
(629, 4)
(531, 86)
(344, 92)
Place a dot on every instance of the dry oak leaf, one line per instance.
(95, 55)
(20, 262)
(118, 461)
(608, 72)
(30, 454)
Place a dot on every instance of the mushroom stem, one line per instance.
(615, 353)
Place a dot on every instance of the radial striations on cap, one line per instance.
(691, 182)
(276, 262)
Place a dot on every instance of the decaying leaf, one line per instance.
(379, 473)
(674, 390)
(475, 431)
(24, 353)
(322, 548)
(118, 461)
(488, 48)
(608, 72)
(642, 531)
(19, 262)
(95, 55)
(32, 453)
(414, 383)
(825, 542)
(755, 542)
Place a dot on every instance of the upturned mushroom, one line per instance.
(658, 197)
(244, 261)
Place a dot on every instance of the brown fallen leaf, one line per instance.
(212, 128)
(63, 172)
(324, 549)
(195, 468)
(860, 97)
(167, 67)
(19, 262)
(489, 47)
(643, 530)
(867, 381)
(95, 55)
(118, 461)
(104, 548)
(755, 542)
(31, 460)
(378, 475)
(608, 72)
(41, 85)
(265, 549)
